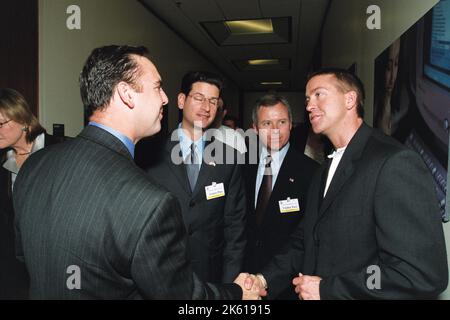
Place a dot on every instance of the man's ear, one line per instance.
(126, 94)
(255, 127)
(181, 100)
(351, 100)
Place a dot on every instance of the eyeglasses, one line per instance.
(200, 98)
(3, 123)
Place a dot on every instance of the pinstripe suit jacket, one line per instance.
(86, 204)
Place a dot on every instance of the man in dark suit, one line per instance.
(372, 228)
(274, 215)
(194, 168)
(91, 224)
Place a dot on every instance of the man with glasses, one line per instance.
(210, 189)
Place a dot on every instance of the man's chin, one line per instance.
(275, 146)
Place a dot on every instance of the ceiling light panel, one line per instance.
(241, 27)
(263, 62)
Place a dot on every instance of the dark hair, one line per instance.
(200, 76)
(14, 106)
(104, 69)
(230, 117)
(269, 100)
(348, 82)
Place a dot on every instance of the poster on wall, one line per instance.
(412, 94)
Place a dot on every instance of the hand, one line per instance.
(307, 287)
(252, 288)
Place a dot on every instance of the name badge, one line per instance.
(289, 205)
(216, 190)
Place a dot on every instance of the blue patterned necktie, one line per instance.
(192, 167)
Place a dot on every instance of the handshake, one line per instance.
(254, 286)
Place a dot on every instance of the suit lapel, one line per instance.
(251, 185)
(179, 170)
(343, 172)
(282, 181)
(207, 169)
(346, 167)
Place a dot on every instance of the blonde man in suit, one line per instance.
(372, 227)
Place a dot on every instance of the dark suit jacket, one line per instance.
(266, 239)
(299, 137)
(215, 227)
(13, 276)
(380, 209)
(84, 203)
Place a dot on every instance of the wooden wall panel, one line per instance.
(19, 48)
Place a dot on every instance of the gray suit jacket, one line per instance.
(216, 226)
(379, 219)
(84, 205)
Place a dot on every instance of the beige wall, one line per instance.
(296, 101)
(349, 42)
(346, 39)
(62, 53)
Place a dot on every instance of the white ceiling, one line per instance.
(185, 17)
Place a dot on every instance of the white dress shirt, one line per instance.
(336, 156)
(185, 144)
(11, 165)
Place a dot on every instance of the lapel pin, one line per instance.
(291, 179)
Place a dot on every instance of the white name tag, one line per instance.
(289, 205)
(216, 190)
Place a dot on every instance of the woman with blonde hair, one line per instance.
(20, 136)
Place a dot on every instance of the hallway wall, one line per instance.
(62, 53)
(352, 42)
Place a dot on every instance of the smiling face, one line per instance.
(199, 106)
(326, 104)
(273, 126)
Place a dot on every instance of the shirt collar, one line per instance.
(123, 138)
(185, 142)
(277, 156)
(336, 153)
(11, 164)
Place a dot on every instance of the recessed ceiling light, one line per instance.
(263, 62)
(257, 26)
(271, 82)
